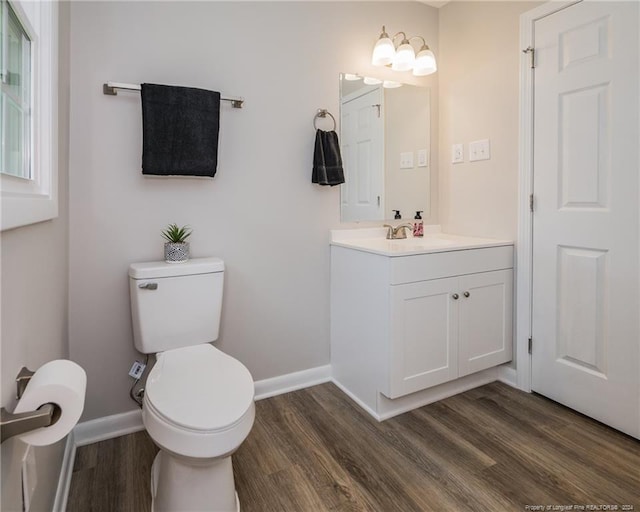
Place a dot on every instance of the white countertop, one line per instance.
(373, 240)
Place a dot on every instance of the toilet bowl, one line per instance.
(198, 401)
(198, 408)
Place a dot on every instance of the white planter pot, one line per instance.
(176, 253)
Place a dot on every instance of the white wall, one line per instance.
(261, 213)
(34, 279)
(478, 81)
(407, 128)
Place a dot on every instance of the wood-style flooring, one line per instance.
(490, 449)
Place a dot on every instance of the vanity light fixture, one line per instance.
(403, 58)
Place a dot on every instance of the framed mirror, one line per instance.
(385, 142)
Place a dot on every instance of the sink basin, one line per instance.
(420, 242)
(404, 245)
(436, 242)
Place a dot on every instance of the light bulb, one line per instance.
(425, 63)
(390, 84)
(383, 51)
(371, 81)
(404, 58)
(351, 77)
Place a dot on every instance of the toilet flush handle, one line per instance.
(148, 286)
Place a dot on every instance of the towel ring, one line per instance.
(323, 112)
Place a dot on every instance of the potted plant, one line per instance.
(176, 249)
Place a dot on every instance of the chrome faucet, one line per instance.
(397, 233)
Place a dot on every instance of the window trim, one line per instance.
(27, 201)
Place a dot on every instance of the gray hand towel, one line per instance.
(327, 161)
(180, 128)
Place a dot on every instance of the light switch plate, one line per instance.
(423, 158)
(457, 153)
(479, 150)
(406, 160)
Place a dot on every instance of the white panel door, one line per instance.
(586, 220)
(362, 146)
(486, 321)
(424, 324)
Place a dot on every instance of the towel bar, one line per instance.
(323, 112)
(111, 89)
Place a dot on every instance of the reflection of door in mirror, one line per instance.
(362, 154)
(385, 139)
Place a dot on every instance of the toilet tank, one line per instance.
(175, 305)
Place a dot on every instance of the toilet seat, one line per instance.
(198, 401)
(199, 388)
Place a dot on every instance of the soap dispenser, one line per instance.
(418, 225)
(397, 215)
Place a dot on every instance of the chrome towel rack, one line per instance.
(323, 113)
(111, 89)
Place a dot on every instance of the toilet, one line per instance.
(198, 401)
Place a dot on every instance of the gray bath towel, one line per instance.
(180, 128)
(327, 161)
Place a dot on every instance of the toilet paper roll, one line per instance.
(59, 382)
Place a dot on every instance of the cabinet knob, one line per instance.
(455, 296)
(466, 294)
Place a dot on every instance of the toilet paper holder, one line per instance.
(15, 424)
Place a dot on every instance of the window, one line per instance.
(28, 112)
(15, 95)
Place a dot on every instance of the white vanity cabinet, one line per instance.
(443, 329)
(401, 325)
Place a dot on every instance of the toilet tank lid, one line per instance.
(157, 269)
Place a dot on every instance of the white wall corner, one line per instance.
(357, 400)
(267, 388)
(508, 375)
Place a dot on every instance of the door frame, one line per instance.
(524, 247)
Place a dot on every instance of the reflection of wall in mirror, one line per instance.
(407, 129)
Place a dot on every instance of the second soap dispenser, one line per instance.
(418, 225)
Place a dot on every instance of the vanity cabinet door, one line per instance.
(424, 324)
(485, 324)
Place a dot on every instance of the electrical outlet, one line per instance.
(137, 370)
(457, 154)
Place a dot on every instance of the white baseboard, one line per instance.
(508, 375)
(66, 472)
(267, 388)
(108, 427)
(389, 408)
